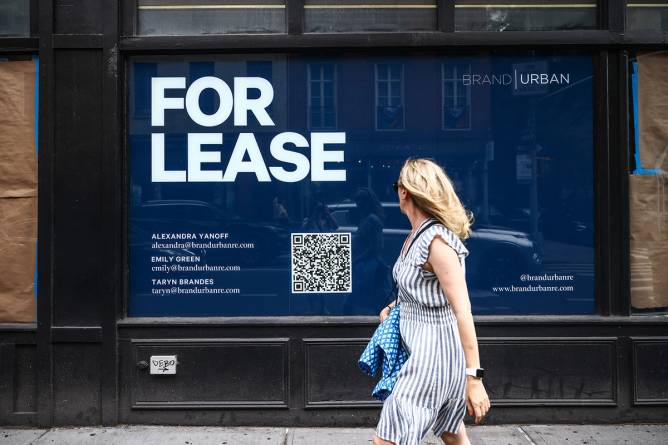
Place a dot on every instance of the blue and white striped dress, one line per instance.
(430, 388)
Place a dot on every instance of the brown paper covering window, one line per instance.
(18, 191)
(648, 194)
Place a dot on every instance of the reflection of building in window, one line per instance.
(389, 96)
(647, 15)
(527, 15)
(456, 97)
(263, 69)
(322, 95)
(14, 18)
(206, 17)
(208, 100)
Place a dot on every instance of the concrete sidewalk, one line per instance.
(493, 435)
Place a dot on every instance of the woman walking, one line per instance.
(442, 376)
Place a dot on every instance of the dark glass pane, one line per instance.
(369, 15)
(395, 91)
(523, 166)
(316, 116)
(144, 72)
(533, 15)
(390, 117)
(208, 100)
(456, 117)
(329, 119)
(316, 72)
(328, 88)
(199, 17)
(315, 91)
(647, 15)
(14, 18)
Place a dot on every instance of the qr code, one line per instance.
(321, 262)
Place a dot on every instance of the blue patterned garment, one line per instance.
(386, 346)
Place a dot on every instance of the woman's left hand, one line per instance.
(477, 400)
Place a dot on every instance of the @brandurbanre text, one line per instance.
(546, 277)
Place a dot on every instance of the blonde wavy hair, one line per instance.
(432, 192)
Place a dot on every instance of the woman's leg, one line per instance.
(461, 438)
(378, 441)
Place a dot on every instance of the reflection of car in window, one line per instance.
(498, 255)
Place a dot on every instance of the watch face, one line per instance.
(479, 372)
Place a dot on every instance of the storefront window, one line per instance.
(647, 183)
(14, 18)
(18, 188)
(198, 17)
(456, 97)
(389, 96)
(364, 15)
(247, 197)
(647, 15)
(322, 96)
(532, 15)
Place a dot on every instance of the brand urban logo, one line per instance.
(517, 79)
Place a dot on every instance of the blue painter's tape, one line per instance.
(36, 61)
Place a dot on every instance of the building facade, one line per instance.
(200, 223)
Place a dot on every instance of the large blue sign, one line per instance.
(261, 184)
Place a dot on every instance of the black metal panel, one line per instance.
(25, 378)
(128, 14)
(34, 17)
(78, 17)
(248, 373)
(613, 15)
(71, 334)
(18, 380)
(77, 41)
(597, 364)
(295, 16)
(333, 379)
(76, 384)
(619, 149)
(79, 262)
(446, 15)
(650, 371)
(45, 159)
(544, 371)
(601, 185)
(112, 212)
(260, 42)
(18, 44)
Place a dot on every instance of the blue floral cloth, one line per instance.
(384, 347)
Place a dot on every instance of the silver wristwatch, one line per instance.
(475, 372)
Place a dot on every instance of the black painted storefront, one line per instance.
(78, 364)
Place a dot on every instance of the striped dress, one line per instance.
(430, 388)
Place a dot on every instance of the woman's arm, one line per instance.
(444, 262)
(386, 310)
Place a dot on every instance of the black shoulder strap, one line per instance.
(417, 235)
